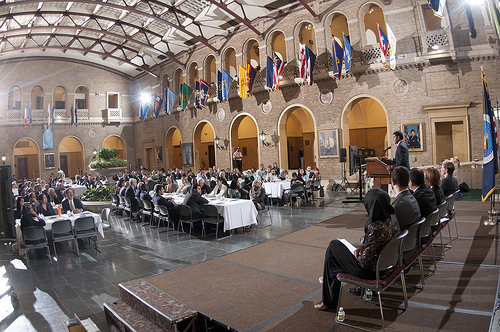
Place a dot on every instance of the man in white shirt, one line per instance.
(237, 159)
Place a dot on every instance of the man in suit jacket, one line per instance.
(402, 157)
(449, 184)
(195, 201)
(406, 206)
(158, 199)
(72, 203)
(205, 189)
(422, 193)
(130, 193)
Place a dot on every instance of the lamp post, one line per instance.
(4, 158)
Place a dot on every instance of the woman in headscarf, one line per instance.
(258, 195)
(380, 228)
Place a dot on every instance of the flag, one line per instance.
(392, 47)
(76, 117)
(204, 93)
(158, 102)
(197, 95)
(490, 157)
(384, 44)
(170, 97)
(72, 116)
(226, 84)
(31, 116)
(186, 92)
(309, 65)
(437, 7)
(143, 110)
(251, 73)
(278, 66)
(494, 14)
(338, 57)
(48, 115)
(219, 86)
(347, 55)
(25, 118)
(269, 74)
(302, 63)
(243, 83)
(53, 115)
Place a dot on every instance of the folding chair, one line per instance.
(62, 231)
(85, 229)
(147, 211)
(186, 216)
(212, 216)
(296, 190)
(389, 268)
(266, 209)
(410, 248)
(106, 218)
(35, 238)
(163, 216)
(426, 235)
(451, 210)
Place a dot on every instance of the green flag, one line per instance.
(185, 94)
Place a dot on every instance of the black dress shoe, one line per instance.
(355, 290)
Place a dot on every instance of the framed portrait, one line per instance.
(413, 136)
(159, 154)
(328, 143)
(187, 154)
(49, 160)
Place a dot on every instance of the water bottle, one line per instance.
(341, 315)
(59, 210)
(368, 295)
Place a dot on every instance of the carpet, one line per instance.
(346, 220)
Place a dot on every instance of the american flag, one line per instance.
(278, 66)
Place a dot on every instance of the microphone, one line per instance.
(385, 151)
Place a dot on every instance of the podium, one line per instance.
(377, 169)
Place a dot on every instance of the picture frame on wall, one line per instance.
(49, 160)
(413, 136)
(328, 143)
(187, 154)
(159, 154)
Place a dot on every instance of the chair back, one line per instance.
(114, 199)
(163, 210)
(316, 184)
(451, 200)
(84, 224)
(425, 228)
(443, 209)
(34, 233)
(128, 201)
(62, 227)
(140, 204)
(123, 202)
(410, 241)
(297, 188)
(434, 218)
(147, 205)
(389, 256)
(231, 193)
(105, 214)
(210, 210)
(185, 212)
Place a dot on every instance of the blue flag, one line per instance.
(437, 7)
(310, 61)
(72, 115)
(143, 110)
(490, 157)
(338, 57)
(197, 103)
(158, 102)
(76, 117)
(204, 93)
(170, 96)
(219, 86)
(53, 115)
(227, 80)
(347, 55)
(252, 73)
(269, 73)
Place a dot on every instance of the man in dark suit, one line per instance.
(422, 193)
(130, 193)
(406, 206)
(402, 157)
(449, 184)
(158, 199)
(72, 203)
(205, 189)
(195, 201)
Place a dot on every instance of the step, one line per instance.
(126, 319)
(157, 306)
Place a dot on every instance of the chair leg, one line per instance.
(449, 232)
(405, 294)
(422, 279)
(381, 310)
(54, 245)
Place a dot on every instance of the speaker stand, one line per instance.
(345, 183)
(360, 198)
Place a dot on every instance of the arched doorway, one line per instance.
(27, 159)
(244, 135)
(364, 124)
(297, 130)
(204, 148)
(71, 156)
(116, 142)
(173, 147)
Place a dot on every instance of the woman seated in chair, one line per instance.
(18, 212)
(44, 207)
(185, 185)
(235, 190)
(286, 195)
(433, 180)
(220, 189)
(380, 228)
(30, 218)
(258, 195)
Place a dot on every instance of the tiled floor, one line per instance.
(49, 294)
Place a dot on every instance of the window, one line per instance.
(36, 99)
(59, 96)
(113, 100)
(229, 63)
(81, 97)
(252, 54)
(210, 70)
(15, 97)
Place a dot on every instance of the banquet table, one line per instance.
(275, 189)
(236, 212)
(78, 189)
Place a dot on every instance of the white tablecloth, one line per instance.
(276, 188)
(50, 220)
(78, 189)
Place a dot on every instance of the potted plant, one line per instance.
(108, 163)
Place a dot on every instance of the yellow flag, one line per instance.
(242, 79)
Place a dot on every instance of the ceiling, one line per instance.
(131, 36)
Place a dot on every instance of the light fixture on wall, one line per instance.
(217, 141)
(94, 153)
(262, 137)
(4, 158)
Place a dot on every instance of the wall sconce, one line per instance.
(94, 154)
(4, 158)
(262, 137)
(217, 141)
